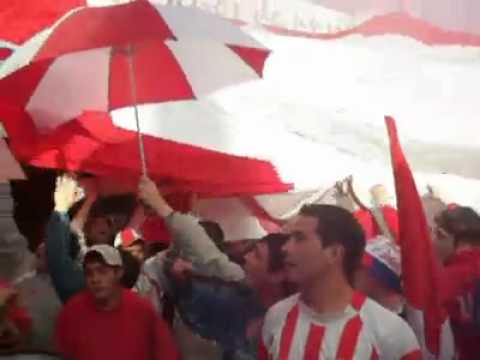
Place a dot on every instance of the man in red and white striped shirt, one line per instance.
(328, 319)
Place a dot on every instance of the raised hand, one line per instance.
(66, 193)
(149, 194)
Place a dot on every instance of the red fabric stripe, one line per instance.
(314, 342)
(96, 27)
(263, 352)
(358, 299)
(420, 268)
(374, 355)
(415, 355)
(394, 23)
(19, 21)
(158, 76)
(255, 58)
(93, 144)
(288, 332)
(5, 52)
(349, 338)
(18, 87)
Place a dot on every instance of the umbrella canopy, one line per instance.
(177, 53)
(170, 54)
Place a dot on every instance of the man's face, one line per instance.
(443, 242)
(256, 266)
(99, 230)
(306, 258)
(102, 280)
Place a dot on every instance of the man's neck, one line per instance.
(327, 295)
(270, 294)
(111, 303)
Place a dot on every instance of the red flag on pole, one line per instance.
(419, 267)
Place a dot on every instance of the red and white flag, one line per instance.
(420, 274)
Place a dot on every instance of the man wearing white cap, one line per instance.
(106, 321)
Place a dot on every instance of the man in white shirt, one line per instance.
(328, 319)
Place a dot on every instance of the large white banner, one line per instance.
(299, 15)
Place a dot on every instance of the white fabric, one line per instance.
(234, 218)
(190, 24)
(72, 84)
(416, 321)
(387, 252)
(386, 332)
(210, 66)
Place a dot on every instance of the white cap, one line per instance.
(110, 255)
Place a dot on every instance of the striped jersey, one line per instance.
(365, 330)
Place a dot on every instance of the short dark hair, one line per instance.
(462, 222)
(275, 243)
(336, 225)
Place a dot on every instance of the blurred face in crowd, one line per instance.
(137, 250)
(306, 258)
(99, 230)
(103, 281)
(256, 265)
(443, 242)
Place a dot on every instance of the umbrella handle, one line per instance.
(133, 84)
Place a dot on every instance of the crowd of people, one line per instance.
(161, 284)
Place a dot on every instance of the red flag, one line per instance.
(419, 266)
(19, 20)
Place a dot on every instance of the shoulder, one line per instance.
(277, 314)
(284, 305)
(78, 300)
(75, 309)
(137, 303)
(394, 337)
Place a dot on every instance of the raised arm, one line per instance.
(67, 275)
(190, 238)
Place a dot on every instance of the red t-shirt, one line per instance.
(131, 331)
(458, 279)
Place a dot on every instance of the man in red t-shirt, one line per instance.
(108, 322)
(458, 229)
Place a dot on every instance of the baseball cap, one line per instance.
(382, 258)
(127, 237)
(109, 254)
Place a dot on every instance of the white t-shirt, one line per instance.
(365, 330)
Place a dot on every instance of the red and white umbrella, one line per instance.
(127, 60)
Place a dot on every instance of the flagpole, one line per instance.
(133, 84)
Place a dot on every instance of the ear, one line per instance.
(335, 254)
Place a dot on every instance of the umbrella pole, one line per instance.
(133, 85)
